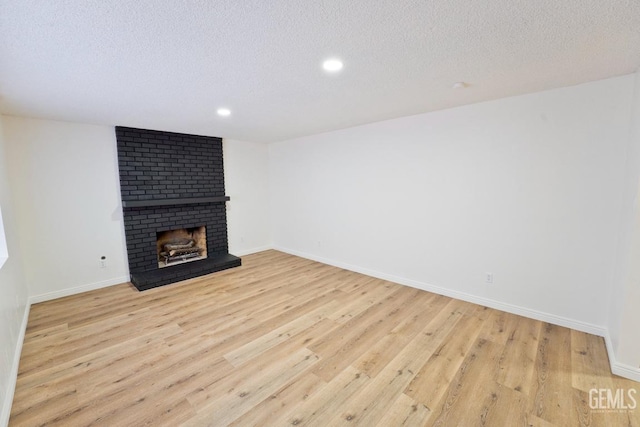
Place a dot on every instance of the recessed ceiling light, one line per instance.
(224, 112)
(332, 65)
(459, 85)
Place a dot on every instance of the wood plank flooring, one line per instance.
(284, 341)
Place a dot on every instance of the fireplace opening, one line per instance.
(181, 245)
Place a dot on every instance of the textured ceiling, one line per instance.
(165, 64)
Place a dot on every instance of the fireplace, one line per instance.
(173, 204)
(180, 246)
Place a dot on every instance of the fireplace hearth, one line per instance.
(173, 203)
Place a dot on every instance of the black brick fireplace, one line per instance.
(171, 181)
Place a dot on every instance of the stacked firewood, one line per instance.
(180, 249)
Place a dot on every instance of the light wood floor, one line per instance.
(284, 341)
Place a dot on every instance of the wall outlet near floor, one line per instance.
(103, 262)
(488, 277)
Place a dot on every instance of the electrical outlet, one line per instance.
(103, 262)
(488, 277)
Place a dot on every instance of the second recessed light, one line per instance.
(332, 65)
(224, 112)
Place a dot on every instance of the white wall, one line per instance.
(13, 295)
(65, 181)
(624, 318)
(65, 178)
(528, 188)
(247, 184)
(627, 351)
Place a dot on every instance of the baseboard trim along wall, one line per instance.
(620, 369)
(8, 401)
(34, 299)
(251, 251)
(617, 368)
(114, 281)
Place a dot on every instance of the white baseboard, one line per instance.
(76, 290)
(620, 369)
(34, 299)
(114, 281)
(498, 305)
(251, 251)
(625, 371)
(13, 373)
(617, 368)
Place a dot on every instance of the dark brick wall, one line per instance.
(155, 165)
(162, 165)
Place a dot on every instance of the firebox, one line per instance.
(181, 245)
